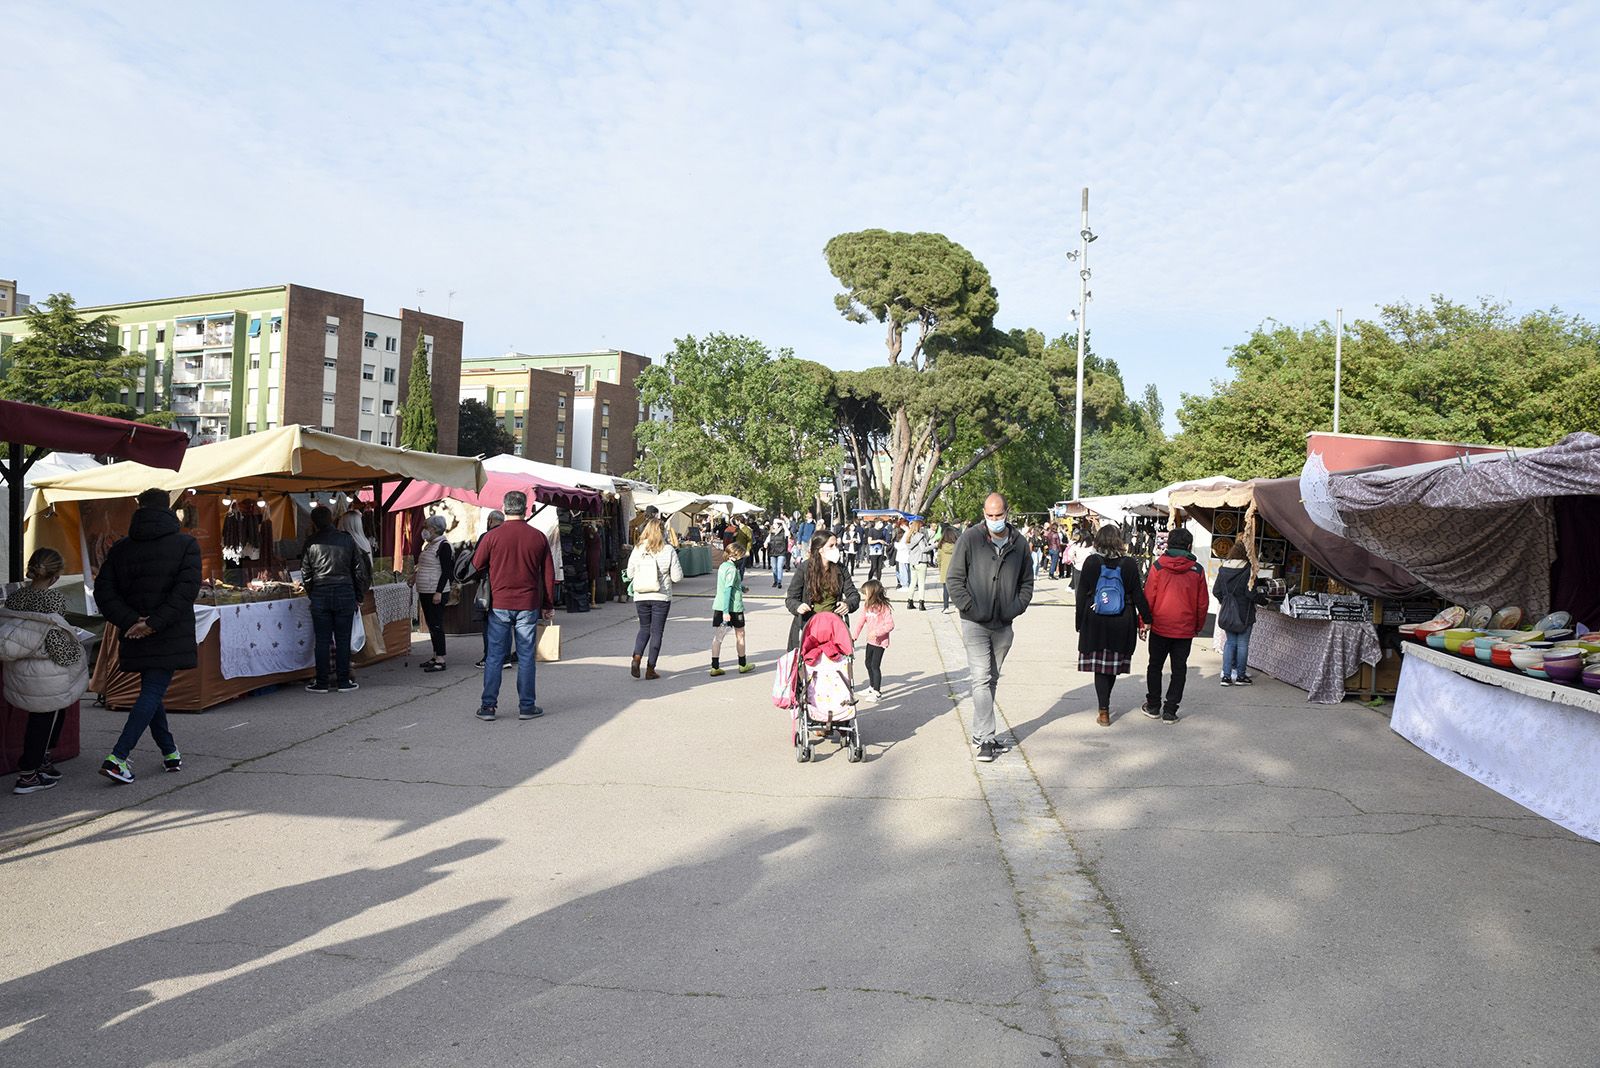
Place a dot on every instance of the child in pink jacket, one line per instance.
(875, 622)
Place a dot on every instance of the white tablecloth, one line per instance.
(1542, 754)
(269, 637)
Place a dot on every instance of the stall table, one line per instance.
(1316, 655)
(695, 559)
(1534, 741)
(245, 647)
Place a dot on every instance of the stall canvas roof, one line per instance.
(668, 502)
(58, 431)
(286, 460)
(492, 494)
(733, 505)
(1278, 502)
(568, 476)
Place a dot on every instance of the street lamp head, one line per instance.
(1073, 255)
(1088, 235)
(1084, 274)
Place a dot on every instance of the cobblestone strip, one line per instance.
(1104, 1009)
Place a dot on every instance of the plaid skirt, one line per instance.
(1105, 662)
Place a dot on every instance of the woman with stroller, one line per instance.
(820, 584)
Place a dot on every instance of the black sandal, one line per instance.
(432, 666)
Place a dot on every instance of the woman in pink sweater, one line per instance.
(875, 622)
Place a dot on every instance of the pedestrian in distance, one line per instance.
(1236, 614)
(919, 555)
(1111, 613)
(745, 539)
(522, 586)
(805, 530)
(146, 589)
(653, 567)
(46, 669)
(877, 550)
(431, 580)
(947, 549)
(902, 555)
(777, 552)
(336, 575)
(820, 584)
(1176, 592)
(991, 583)
(727, 607)
(876, 622)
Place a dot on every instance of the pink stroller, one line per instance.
(824, 696)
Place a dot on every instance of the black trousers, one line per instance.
(1162, 650)
(875, 666)
(875, 568)
(434, 614)
(41, 734)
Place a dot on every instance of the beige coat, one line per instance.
(33, 681)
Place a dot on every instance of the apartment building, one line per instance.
(578, 409)
(12, 302)
(228, 364)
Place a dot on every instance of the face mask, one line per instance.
(996, 526)
(428, 533)
(831, 555)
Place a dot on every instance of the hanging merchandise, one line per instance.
(247, 534)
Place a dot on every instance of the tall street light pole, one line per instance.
(1081, 255)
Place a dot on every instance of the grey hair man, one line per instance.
(991, 583)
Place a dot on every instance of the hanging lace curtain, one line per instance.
(1317, 495)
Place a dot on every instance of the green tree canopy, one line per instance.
(481, 432)
(419, 427)
(741, 420)
(1443, 371)
(75, 364)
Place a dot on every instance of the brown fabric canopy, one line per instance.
(1278, 500)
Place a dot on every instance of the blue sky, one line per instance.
(618, 175)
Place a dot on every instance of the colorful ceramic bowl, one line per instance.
(1455, 638)
(1555, 621)
(1453, 616)
(1557, 634)
(1568, 671)
(1483, 649)
(1500, 656)
(1479, 617)
(1506, 617)
(1525, 658)
(1591, 678)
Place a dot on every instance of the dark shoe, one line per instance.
(509, 664)
(349, 686)
(650, 673)
(48, 770)
(1244, 680)
(486, 714)
(173, 761)
(432, 666)
(318, 687)
(32, 784)
(635, 667)
(987, 752)
(530, 713)
(1169, 717)
(1151, 712)
(1104, 718)
(1227, 681)
(922, 606)
(114, 767)
(481, 662)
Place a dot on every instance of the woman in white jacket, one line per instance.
(46, 669)
(653, 567)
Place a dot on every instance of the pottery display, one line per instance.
(1568, 671)
(1525, 658)
(1500, 655)
(1456, 637)
(1555, 621)
(1591, 678)
(1453, 616)
(1506, 617)
(1479, 617)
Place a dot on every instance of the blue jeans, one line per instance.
(333, 612)
(902, 572)
(1236, 655)
(779, 562)
(503, 626)
(149, 712)
(652, 627)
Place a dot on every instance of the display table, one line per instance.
(1313, 654)
(245, 647)
(694, 559)
(1533, 741)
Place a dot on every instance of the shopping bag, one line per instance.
(547, 646)
(374, 632)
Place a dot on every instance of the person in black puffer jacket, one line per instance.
(336, 574)
(146, 589)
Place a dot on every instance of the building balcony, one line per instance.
(214, 406)
(183, 342)
(186, 376)
(184, 405)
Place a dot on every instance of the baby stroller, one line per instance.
(824, 697)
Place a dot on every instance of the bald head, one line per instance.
(994, 514)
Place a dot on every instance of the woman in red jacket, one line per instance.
(1176, 590)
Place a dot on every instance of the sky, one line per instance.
(618, 175)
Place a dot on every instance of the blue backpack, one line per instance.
(1108, 596)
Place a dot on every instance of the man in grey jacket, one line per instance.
(991, 583)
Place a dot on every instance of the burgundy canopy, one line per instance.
(29, 424)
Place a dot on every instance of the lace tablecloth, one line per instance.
(1315, 655)
(393, 602)
(269, 637)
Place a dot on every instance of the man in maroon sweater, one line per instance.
(522, 588)
(1176, 590)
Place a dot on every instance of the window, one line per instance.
(602, 456)
(255, 361)
(561, 426)
(249, 428)
(605, 432)
(272, 424)
(388, 376)
(605, 407)
(368, 372)
(333, 329)
(391, 344)
(561, 454)
(255, 326)
(517, 398)
(161, 334)
(369, 340)
(388, 407)
(383, 438)
(366, 435)
(330, 363)
(366, 405)
(516, 422)
(277, 324)
(138, 400)
(327, 398)
(561, 400)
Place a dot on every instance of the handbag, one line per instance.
(547, 645)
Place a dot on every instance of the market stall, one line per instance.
(28, 433)
(1512, 535)
(234, 498)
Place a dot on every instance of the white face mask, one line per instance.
(831, 555)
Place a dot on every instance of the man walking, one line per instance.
(146, 589)
(522, 591)
(1176, 590)
(336, 573)
(991, 583)
(804, 531)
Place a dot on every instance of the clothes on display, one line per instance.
(247, 535)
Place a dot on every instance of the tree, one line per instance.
(740, 420)
(68, 362)
(419, 428)
(481, 432)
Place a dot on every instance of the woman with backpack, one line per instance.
(653, 567)
(1112, 614)
(1236, 614)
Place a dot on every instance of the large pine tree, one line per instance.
(419, 427)
(71, 363)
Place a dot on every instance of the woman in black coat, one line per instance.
(1106, 642)
(1236, 614)
(832, 589)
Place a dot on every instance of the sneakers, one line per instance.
(173, 761)
(999, 746)
(1244, 680)
(32, 784)
(1227, 681)
(480, 662)
(318, 686)
(349, 686)
(716, 673)
(48, 770)
(486, 714)
(745, 669)
(987, 752)
(114, 767)
(1169, 717)
(1153, 713)
(530, 713)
